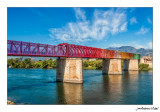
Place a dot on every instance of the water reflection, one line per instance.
(69, 93)
(132, 87)
(133, 72)
(112, 85)
(119, 88)
(113, 82)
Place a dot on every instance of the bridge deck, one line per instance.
(19, 48)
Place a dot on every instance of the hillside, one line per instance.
(142, 51)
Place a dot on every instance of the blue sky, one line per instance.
(96, 27)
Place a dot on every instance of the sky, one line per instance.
(99, 27)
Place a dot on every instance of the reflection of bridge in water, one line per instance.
(70, 93)
(69, 64)
(115, 88)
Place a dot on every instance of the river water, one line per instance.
(39, 86)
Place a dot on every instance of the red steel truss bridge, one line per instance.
(19, 48)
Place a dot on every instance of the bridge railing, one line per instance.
(19, 48)
(91, 52)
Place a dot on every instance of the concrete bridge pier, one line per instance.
(69, 70)
(131, 64)
(112, 66)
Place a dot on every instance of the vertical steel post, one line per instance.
(67, 48)
(11, 47)
(21, 48)
(29, 47)
(47, 49)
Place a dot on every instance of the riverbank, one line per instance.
(52, 64)
(10, 102)
(90, 68)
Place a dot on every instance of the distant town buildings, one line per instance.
(147, 60)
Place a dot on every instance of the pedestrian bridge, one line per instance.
(69, 63)
(19, 48)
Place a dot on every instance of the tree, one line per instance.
(54, 64)
(16, 65)
(50, 63)
(22, 65)
(85, 64)
(143, 66)
(27, 61)
(28, 66)
(44, 64)
(38, 64)
(98, 64)
(10, 62)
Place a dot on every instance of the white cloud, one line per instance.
(133, 44)
(149, 20)
(142, 30)
(117, 45)
(146, 45)
(133, 20)
(102, 23)
(150, 45)
(80, 15)
(124, 27)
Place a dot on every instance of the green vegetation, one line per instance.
(92, 64)
(143, 66)
(89, 68)
(28, 63)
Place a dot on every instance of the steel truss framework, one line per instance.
(19, 48)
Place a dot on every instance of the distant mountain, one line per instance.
(141, 51)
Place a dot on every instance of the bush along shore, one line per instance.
(28, 63)
(52, 64)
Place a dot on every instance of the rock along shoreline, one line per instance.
(10, 102)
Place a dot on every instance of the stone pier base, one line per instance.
(69, 70)
(131, 64)
(112, 66)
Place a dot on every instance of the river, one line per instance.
(39, 86)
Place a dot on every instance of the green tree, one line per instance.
(38, 65)
(28, 66)
(54, 64)
(50, 63)
(21, 65)
(143, 66)
(16, 65)
(10, 62)
(98, 64)
(27, 61)
(44, 64)
(85, 64)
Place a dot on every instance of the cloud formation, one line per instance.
(133, 20)
(149, 20)
(143, 30)
(102, 24)
(147, 45)
(80, 15)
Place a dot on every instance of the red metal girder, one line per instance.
(19, 48)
